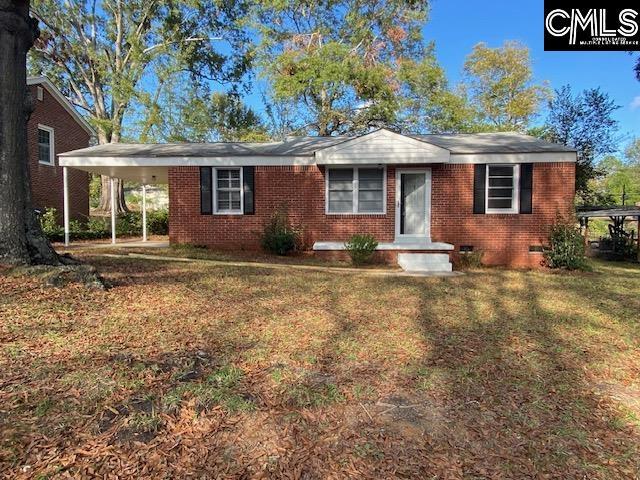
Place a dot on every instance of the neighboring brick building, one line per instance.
(432, 196)
(56, 127)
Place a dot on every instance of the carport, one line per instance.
(146, 171)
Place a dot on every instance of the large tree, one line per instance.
(501, 86)
(428, 104)
(193, 114)
(338, 60)
(584, 121)
(107, 54)
(21, 239)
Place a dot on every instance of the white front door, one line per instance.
(413, 204)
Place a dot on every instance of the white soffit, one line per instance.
(382, 147)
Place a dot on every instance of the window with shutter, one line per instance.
(228, 190)
(502, 187)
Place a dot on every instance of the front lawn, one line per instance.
(209, 371)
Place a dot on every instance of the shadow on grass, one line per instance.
(519, 402)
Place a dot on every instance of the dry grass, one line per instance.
(191, 369)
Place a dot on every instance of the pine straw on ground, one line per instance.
(191, 370)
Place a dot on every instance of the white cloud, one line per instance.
(635, 103)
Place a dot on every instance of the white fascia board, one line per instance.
(540, 157)
(69, 160)
(62, 100)
(384, 159)
(332, 155)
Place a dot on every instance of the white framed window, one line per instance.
(356, 190)
(227, 191)
(46, 145)
(502, 188)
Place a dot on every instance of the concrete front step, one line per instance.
(425, 262)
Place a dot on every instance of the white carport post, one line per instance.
(144, 213)
(113, 210)
(65, 204)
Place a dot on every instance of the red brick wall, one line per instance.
(46, 180)
(505, 239)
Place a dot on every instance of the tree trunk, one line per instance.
(104, 205)
(21, 238)
(105, 195)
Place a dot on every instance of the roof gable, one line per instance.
(62, 100)
(382, 146)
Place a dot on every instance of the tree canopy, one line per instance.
(584, 121)
(338, 61)
(501, 87)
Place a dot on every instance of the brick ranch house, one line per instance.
(426, 198)
(56, 127)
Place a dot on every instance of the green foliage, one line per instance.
(158, 222)
(500, 81)
(620, 183)
(100, 52)
(585, 122)
(50, 227)
(429, 104)
(219, 388)
(94, 191)
(279, 236)
(617, 248)
(197, 116)
(470, 260)
(128, 224)
(336, 61)
(97, 228)
(361, 248)
(566, 247)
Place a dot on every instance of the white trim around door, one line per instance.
(426, 236)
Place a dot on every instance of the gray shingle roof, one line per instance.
(500, 142)
(307, 146)
(299, 146)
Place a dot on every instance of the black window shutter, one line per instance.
(479, 182)
(526, 188)
(248, 180)
(206, 196)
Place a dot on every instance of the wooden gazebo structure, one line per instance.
(618, 216)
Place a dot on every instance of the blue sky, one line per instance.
(457, 25)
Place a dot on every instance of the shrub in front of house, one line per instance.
(129, 224)
(279, 236)
(566, 247)
(158, 222)
(360, 248)
(50, 227)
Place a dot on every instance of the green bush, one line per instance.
(50, 227)
(129, 224)
(97, 228)
(361, 247)
(158, 222)
(566, 247)
(279, 236)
